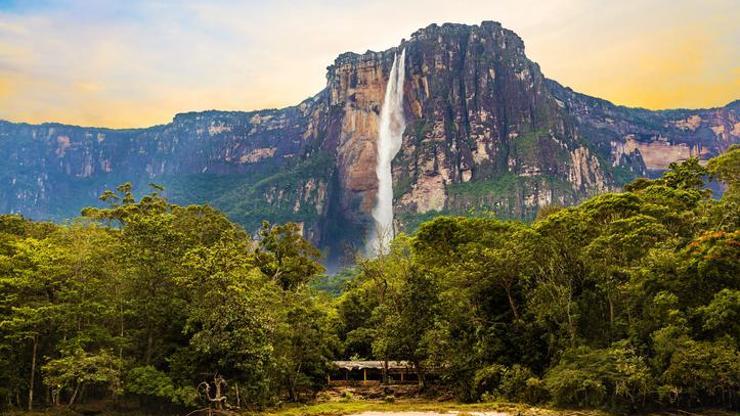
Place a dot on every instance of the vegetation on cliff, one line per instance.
(628, 301)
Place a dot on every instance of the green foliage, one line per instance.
(626, 301)
(516, 383)
(501, 185)
(247, 204)
(525, 146)
(725, 168)
(519, 384)
(335, 284)
(152, 299)
(285, 256)
(722, 314)
(71, 371)
(623, 175)
(701, 371)
(495, 195)
(150, 382)
(586, 377)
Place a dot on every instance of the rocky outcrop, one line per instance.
(648, 141)
(485, 130)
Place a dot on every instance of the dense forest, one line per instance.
(628, 301)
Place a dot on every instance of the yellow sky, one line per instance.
(137, 63)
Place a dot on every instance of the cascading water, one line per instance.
(392, 124)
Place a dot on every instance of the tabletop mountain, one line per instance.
(485, 130)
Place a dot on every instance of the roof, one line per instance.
(359, 365)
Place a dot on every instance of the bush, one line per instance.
(702, 370)
(516, 383)
(613, 377)
(519, 384)
(571, 387)
(488, 379)
(347, 396)
(147, 381)
(536, 391)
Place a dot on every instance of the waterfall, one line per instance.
(390, 129)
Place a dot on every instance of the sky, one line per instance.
(136, 63)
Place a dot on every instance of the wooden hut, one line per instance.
(371, 372)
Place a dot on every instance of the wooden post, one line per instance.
(364, 375)
(402, 371)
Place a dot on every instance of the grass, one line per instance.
(350, 407)
(338, 408)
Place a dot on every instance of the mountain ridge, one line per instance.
(731, 104)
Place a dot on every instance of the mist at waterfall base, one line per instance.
(390, 129)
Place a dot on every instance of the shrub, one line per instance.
(516, 383)
(613, 377)
(80, 368)
(535, 392)
(572, 387)
(147, 381)
(702, 370)
(488, 379)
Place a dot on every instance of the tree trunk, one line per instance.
(571, 325)
(33, 372)
(420, 376)
(511, 303)
(54, 397)
(385, 371)
(238, 399)
(120, 348)
(83, 393)
(219, 404)
(149, 342)
(611, 316)
(293, 392)
(74, 395)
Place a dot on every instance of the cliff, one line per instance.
(485, 131)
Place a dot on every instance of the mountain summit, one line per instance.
(484, 131)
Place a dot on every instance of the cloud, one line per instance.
(137, 63)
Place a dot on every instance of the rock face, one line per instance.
(485, 131)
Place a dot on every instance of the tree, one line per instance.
(725, 168)
(306, 342)
(285, 256)
(232, 318)
(30, 297)
(78, 369)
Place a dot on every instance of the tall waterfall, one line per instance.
(392, 125)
